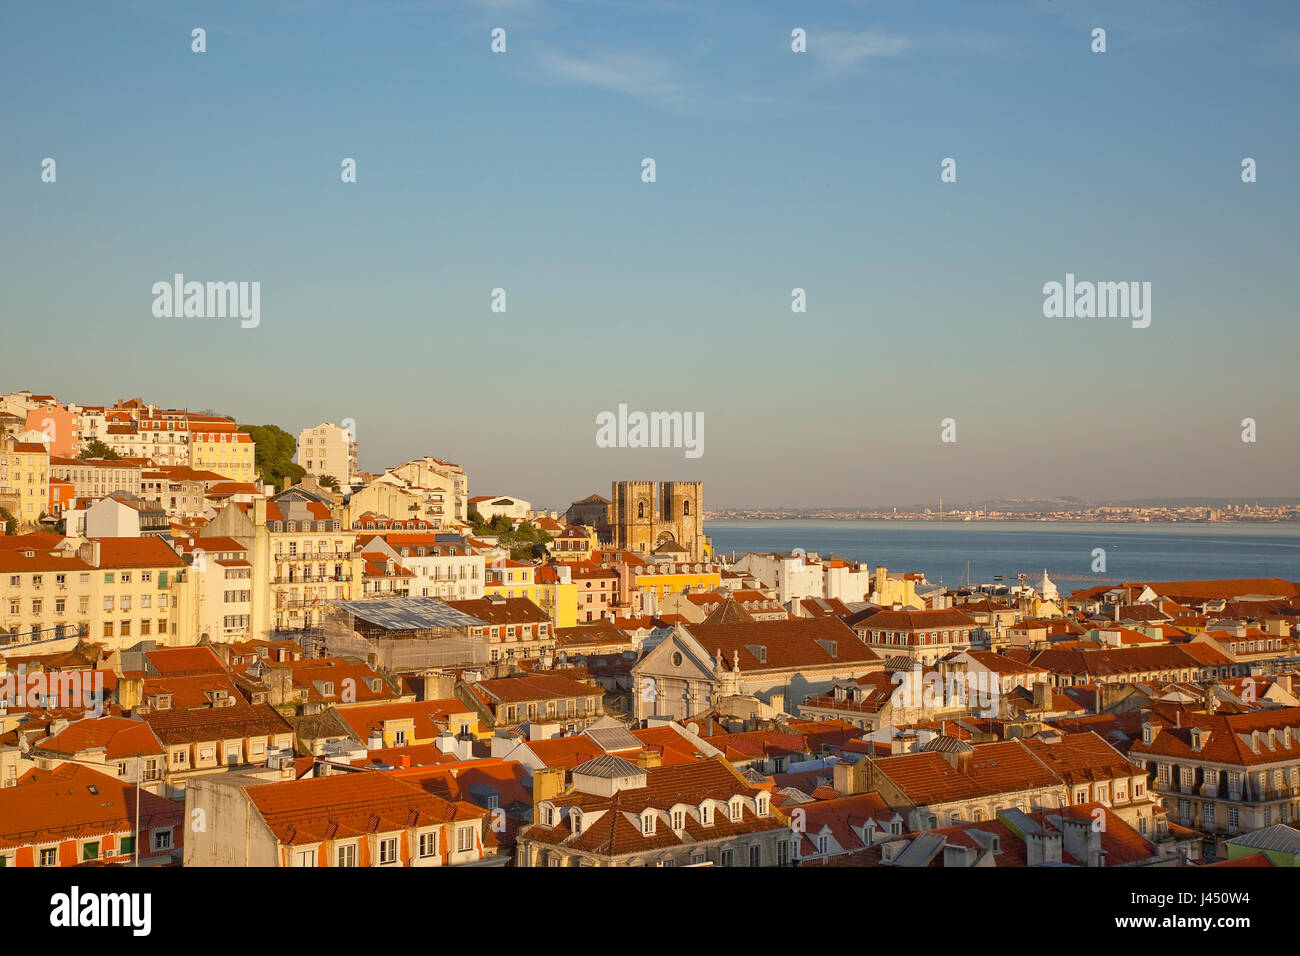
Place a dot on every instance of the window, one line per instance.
(679, 819)
(90, 851)
(304, 858)
(388, 851)
(783, 853)
(725, 858)
(348, 855)
(162, 840)
(428, 845)
(126, 846)
(50, 856)
(465, 839)
(647, 824)
(736, 808)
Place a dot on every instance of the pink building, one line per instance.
(62, 426)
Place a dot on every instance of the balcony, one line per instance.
(312, 579)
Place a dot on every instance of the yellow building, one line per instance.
(665, 579)
(114, 591)
(888, 590)
(311, 560)
(572, 542)
(48, 592)
(512, 579)
(25, 479)
(559, 595)
(228, 452)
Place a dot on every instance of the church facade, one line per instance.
(664, 518)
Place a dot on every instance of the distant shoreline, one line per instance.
(1036, 519)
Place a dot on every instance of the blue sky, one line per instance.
(775, 170)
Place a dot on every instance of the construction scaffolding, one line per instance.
(404, 634)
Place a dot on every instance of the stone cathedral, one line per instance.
(659, 517)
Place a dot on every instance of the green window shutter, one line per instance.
(162, 579)
(127, 846)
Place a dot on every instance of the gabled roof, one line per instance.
(791, 643)
(72, 802)
(316, 809)
(120, 737)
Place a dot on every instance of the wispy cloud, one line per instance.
(841, 51)
(629, 73)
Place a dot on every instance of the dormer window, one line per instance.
(706, 814)
(548, 815)
(648, 823)
(575, 820)
(762, 805)
(736, 808)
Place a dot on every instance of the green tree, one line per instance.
(10, 522)
(330, 482)
(273, 456)
(525, 542)
(97, 449)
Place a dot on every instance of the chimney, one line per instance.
(649, 759)
(1042, 848)
(1283, 681)
(1211, 699)
(960, 856)
(1081, 841)
(1116, 612)
(279, 679)
(959, 761)
(464, 747)
(375, 740)
(1042, 696)
(547, 783)
(842, 778)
